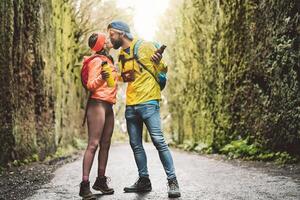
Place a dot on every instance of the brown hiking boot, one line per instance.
(101, 185)
(85, 191)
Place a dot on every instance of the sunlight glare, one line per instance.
(146, 15)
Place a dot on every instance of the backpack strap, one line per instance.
(136, 48)
(91, 58)
(102, 57)
(135, 56)
(85, 110)
(146, 68)
(138, 44)
(123, 60)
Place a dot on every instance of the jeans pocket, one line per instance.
(148, 110)
(129, 113)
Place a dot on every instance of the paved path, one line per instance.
(199, 177)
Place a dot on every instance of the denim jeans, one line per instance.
(150, 115)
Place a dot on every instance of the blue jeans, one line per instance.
(150, 115)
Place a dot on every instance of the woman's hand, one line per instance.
(104, 75)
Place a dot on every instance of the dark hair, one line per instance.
(109, 26)
(92, 40)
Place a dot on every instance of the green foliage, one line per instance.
(42, 48)
(242, 149)
(30, 159)
(193, 147)
(64, 151)
(79, 143)
(188, 146)
(1, 170)
(41, 88)
(234, 74)
(34, 158)
(61, 153)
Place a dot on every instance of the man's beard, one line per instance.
(117, 43)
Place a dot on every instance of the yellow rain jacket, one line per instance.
(144, 88)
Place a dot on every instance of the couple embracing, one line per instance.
(139, 64)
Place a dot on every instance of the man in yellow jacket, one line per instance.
(142, 104)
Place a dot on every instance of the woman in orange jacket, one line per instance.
(100, 115)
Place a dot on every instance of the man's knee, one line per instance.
(136, 147)
(159, 143)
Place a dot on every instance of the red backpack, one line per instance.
(85, 70)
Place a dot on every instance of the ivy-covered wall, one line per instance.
(40, 87)
(234, 72)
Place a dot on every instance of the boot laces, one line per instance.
(172, 185)
(108, 179)
(138, 181)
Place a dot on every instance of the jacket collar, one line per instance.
(131, 48)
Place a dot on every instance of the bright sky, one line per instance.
(146, 15)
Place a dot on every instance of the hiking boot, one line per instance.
(143, 184)
(101, 185)
(85, 191)
(173, 191)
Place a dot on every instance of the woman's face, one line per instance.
(108, 45)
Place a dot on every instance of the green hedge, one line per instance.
(234, 72)
(40, 98)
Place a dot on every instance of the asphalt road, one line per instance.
(199, 177)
